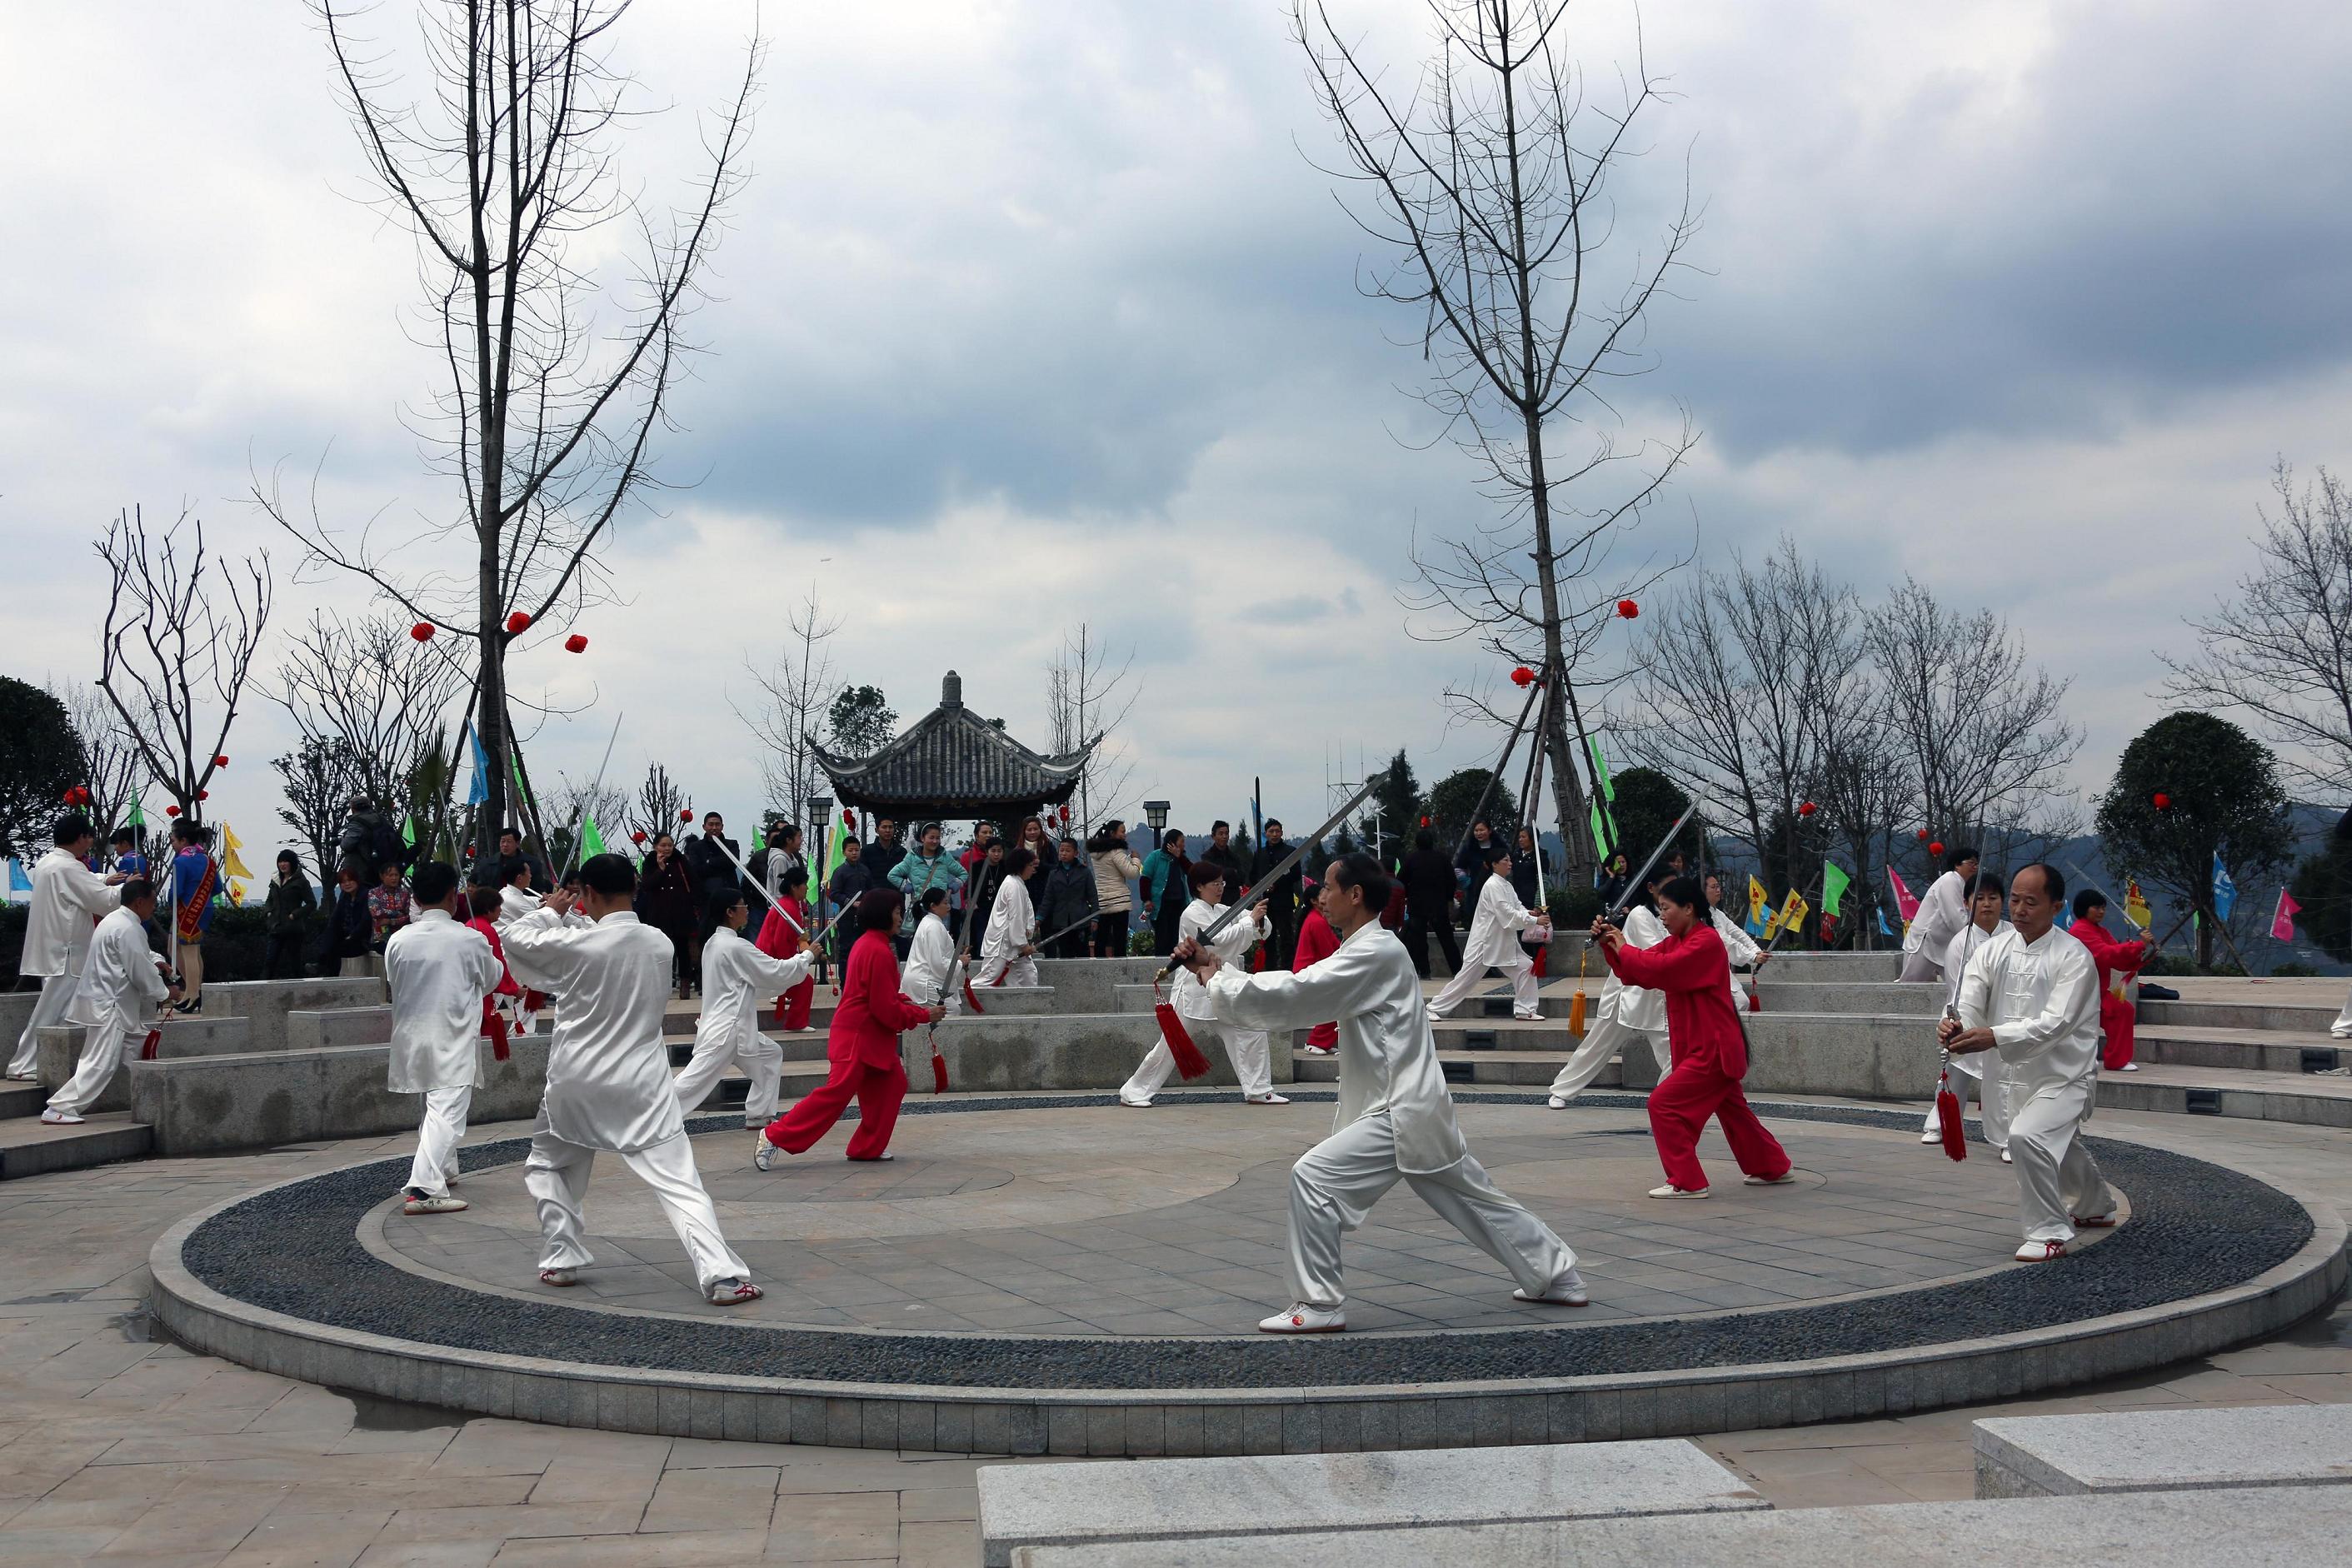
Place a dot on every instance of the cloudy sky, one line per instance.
(1036, 312)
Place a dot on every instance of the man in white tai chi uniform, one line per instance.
(439, 971)
(2032, 994)
(1248, 1048)
(608, 1085)
(1493, 943)
(1395, 1119)
(116, 998)
(1008, 950)
(1941, 915)
(735, 977)
(1626, 1013)
(67, 897)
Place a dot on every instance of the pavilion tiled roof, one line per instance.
(953, 763)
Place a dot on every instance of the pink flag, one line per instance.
(2283, 923)
(1905, 904)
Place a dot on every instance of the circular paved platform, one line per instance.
(1068, 1275)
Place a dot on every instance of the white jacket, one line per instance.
(735, 977)
(1388, 1058)
(608, 1082)
(439, 971)
(931, 960)
(1957, 954)
(1941, 915)
(2041, 1002)
(1233, 945)
(68, 896)
(1012, 920)
(1635, 1006)
(1495, 928)
(514, 904)
(119, 983)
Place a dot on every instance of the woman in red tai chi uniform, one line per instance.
(1709, 1047)
(862, 1046)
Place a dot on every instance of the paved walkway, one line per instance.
(119, 1452)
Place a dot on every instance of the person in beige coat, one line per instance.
(1115, 867)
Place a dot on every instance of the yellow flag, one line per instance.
(2136, 908)
(231, 864)
(1793, 913)
(1759, 899)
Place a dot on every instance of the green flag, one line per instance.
(1600, 770)
(138, 817)
(1834, 883)
(514, 762)
(1604, 822)
(408, 831)
(591, 841)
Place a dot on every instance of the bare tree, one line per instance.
(658, 802)
(320, 774)
(116, 770)
(1983, 736)
(2282, 651)
(1089, 695)
(555, 383)
(371, 687)
(177, 647)
(1490, 182)
(796, 694)
(607, 805)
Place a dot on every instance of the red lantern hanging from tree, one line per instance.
(422, 631)
(1807, 809)
(518, 621)
(2162, 801)
(1627, 609)
(575, 643)
(204, 795)
(1921, 836)
(686, 814)
(220, 761)
(170, 811)
(1936, 848)
(639, 836)
(1523, 676)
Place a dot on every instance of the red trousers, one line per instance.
(879, 1091)
(2116, 1018)
(1679, 1109)
(797, 1002)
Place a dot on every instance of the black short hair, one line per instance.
(608, 874)
(71, 829)
(123, 836)
(2086, 901)
(934, 894)
(1220, 822)
(1686, 892)
(878, 909)
(1498, 850)
(1017, 860)
(1953, 858)
(513, 833)
(431, 881)
(136, 890)
(1362, 872)
(1986, 882)
(783, 830)
(721, 905)
(1482, 822)
(361, 802)
(1205, 872)
(2054, 884)
(510, 869)
(1274, 822)
(795, 878)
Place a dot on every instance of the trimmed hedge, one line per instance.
(235, 947)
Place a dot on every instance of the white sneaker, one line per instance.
(1316, 1051)
(59, 1119)
(1529, 1018)
(1268, 1100)
(1782, 1179)
(417, 1201)
(1673, 1192)
(2041, 1251)
(1931, 1136)
(763, 1154)
(734, 1293)
(1135, 1104)
(1299, 1318)
(1438, 1018)
(2130, 1066)
(1568, 1290)
(2005, 1159)
(1557, 1103)
(559, 1277)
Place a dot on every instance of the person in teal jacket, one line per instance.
(927, 865)
(1165, 890)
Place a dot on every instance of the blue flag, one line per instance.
(481, 790)
(2225, 891)
(18, 883)
(1883, 928)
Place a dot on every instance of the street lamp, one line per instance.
(1155, 812)
(821, 817)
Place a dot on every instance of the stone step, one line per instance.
(30, 1148)
(2308, 1098)
(21, 1099)
(1779, 994)
(808, 1047)
(2258, 1050)
(1521, 1069)
(2285, 1017)
(2163, 1450)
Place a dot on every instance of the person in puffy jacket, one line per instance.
(1068, 899)
(1113, 867)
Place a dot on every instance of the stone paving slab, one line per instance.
(1270, 1499)
(2215, 1530)
(2163, 1450)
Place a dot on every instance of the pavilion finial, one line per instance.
(951, 690)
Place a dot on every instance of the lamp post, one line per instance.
(1155, 812)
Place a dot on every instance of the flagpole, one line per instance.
(571, 855)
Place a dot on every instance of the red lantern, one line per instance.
(848, 817)
(686, 814)
(422, 631)
(1627, 609)
(2163, 802)
(639, 836)
(170, 811)
(575, 643)
(518, 621)
(204, 795)
(1523, 676)
(1424, 821)
(1922, 835)
(220, 761)
(1936, 848)
(1807, 809)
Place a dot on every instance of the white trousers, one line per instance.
(1335, 1184)
(104, 1050)
(2342, 1028)
(1603, 1041)
(556, 1175)
(2056, 1177)
(1017, 972)
(1921, 965)
(1992, 1097)
(1470, 976)
(49, 1008)
(443, 1130)
(764, 1064)
(1252, 1058)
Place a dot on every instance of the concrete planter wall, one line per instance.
(206, 1105)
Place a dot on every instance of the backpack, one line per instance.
(384, 847)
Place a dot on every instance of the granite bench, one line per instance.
(2163, 1450)
(206, 1105)
(60, 1053)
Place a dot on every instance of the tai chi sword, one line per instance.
(1242, 900)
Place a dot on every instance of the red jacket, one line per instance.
(2108, 953)
(1693, 970)
(1317, 939)
(777, 938)
(870, 1016)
